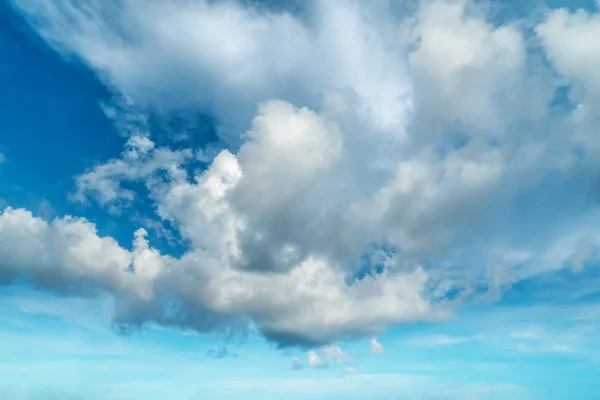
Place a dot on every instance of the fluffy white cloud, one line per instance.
(422, 166)
(244, 223)
(139, 161)
(376, 347)
(467, 70)
(315, 361)
(66, 255)
(568, 39)
(334, 353)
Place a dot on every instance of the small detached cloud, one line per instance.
(326, 356)
(351, 370)
(335, 353)
(376, 347)
(315, 361)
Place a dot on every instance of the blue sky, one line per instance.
(316, 200)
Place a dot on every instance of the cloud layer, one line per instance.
(382, 166)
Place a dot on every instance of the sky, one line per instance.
(342, 199)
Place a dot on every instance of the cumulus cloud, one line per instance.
(209, 280)
(568, 39)
(314, 360)
(393, 169)
(247, 222)
(66, 255)
(334, 353)
(376, 347)
(139, 161)
(469, 70)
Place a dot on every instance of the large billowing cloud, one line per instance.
(378, 163)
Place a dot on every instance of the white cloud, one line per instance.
(139, 161)
(581, 256)
(440, 148)
(312, 302)
(315, 361)
(569, 42)
(568, 39)
(376, 347)
(334, 353)
(66, 255)
(236, 214)
(466, 69)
